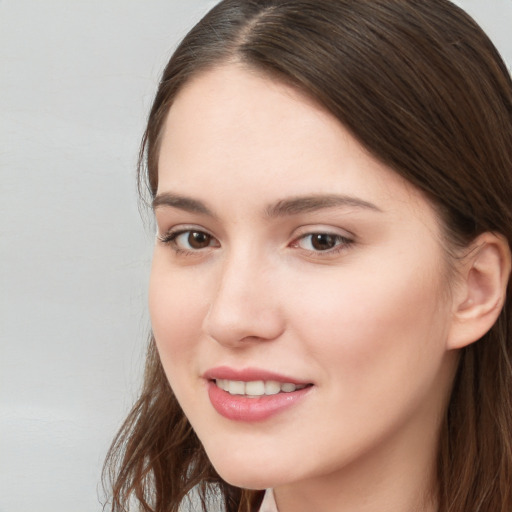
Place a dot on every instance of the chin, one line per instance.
(252, 484)
(245, 475)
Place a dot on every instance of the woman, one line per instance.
(331, 182)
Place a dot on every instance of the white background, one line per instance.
(76, 82)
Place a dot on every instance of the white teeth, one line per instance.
(256, 388)
(272, 387)
(236, 387)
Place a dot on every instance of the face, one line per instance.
(298, 293)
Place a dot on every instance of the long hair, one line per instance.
(423, 89)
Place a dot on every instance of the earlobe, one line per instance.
(480, 294)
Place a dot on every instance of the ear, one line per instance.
(480, 292)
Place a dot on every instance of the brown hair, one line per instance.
(420, 85)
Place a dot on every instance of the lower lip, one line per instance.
(242, 408)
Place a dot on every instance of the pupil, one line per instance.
(198, 240)
(323, 242)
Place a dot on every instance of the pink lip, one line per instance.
(248, 375)
(242, 408)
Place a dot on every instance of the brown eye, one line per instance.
(198, 240)
(189, 240)
(323, 241)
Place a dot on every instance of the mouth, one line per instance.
(257, 388)
(251, 394)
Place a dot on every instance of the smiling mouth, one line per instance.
(257, 388)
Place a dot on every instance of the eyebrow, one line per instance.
(282, 208)
(182, 202)
(307, 204)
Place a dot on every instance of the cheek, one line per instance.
(374, 323)
(377, 348)
(176, 311)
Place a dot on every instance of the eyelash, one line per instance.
(341, 242)
(170, 239)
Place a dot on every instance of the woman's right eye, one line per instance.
(189, 240)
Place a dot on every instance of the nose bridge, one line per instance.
(244, 306)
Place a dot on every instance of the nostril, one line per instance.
(242, 323)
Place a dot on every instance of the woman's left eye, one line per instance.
(321, 242)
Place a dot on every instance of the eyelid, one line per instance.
(170, 236)
(345, 240)
(181, 228)
(313, 229)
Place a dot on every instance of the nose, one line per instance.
(245, 306)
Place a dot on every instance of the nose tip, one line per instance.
(230, 328)
(243, 310)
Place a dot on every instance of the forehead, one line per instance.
(239, 102)
(234, 130)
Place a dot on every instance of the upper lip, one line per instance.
(249, 375)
